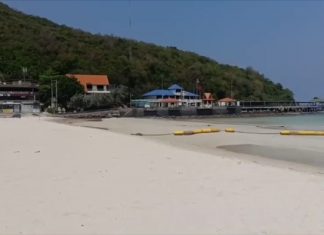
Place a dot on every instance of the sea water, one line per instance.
(298, 122)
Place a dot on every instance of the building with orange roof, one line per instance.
(227, 102)
(93, 84)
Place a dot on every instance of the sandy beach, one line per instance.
(72, 179)
(261, 144)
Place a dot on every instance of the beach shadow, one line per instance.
(299, 156)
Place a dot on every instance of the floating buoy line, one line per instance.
(232, 130)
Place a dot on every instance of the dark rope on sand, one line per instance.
(258, 133)
(141, 134)
(97, 127)
(243, 132)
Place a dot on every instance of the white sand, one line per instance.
(59, 179)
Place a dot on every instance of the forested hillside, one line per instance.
(44, 47)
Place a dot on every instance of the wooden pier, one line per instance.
(280, 107)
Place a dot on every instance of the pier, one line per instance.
(242, 107)
(279, 107)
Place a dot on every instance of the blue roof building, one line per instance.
(175, 91)
(159, 94)
(175, 87)
(174, 96)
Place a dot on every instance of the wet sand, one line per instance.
(293, 155)
(261, 144)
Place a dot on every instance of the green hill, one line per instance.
(43, 46)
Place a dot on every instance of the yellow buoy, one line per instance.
(206, 130)
(230, 130)
(178, 133)
(311, 133)
(198, 131)
(285, 132)
(183, 133)
(214, 130)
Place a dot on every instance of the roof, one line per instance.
(160, 92)
(18, 84)
(175, 87)
(90, 79)
(227, 100)
(208, 96)
(187, 93)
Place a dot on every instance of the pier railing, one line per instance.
(279, 106)
(276, 104)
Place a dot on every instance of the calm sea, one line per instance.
(307, 121)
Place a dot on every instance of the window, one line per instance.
(100, 87)
(89, 87)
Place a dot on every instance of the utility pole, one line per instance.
(130, 99)
(56, 97)
(232, 88)
(162, 80)
(24, 71)
(197, 91)
(52, 97)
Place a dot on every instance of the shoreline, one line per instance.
(256, 145)
(125, 113)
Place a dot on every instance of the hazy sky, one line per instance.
(282, 39)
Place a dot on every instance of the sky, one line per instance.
(284, 40)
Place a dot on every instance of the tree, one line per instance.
(77, 102)
(41, 45)
(116, 98)
(66, 87)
